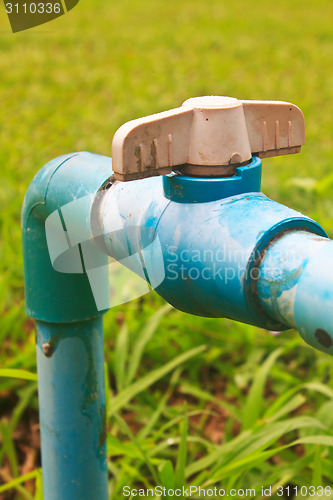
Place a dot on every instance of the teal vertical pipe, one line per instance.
(69, 328)
(72, 409)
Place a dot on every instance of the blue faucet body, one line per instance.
(208, 235)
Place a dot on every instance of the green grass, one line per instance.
(237, 412)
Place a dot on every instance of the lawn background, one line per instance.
(67, 86)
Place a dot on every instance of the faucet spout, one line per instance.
(295, 285)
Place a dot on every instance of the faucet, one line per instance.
(181, 207)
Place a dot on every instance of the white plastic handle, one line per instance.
(206, 133)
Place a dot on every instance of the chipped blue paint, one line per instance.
(313, 300)
(301, 294)
(283, 266)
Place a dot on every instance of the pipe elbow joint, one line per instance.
(56, 292)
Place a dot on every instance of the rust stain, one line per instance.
(48, 349)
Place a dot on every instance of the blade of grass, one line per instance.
(192, 390)
(18, 481)
(154, 418)
(116, 447)
(120, 357)
(321, 439)
(142, 340)
(317, 469)
(172, 441)
(25, 399)
(39, 486)
(128, 431)
(248, 442)
(121, 399)
(160, 431)
(317, 387)
(270, 433)
(9, 447)
(287, 471)
(167, 475)
(15, 373)
(133, 475)
(254, 402)
(291, 405)
(281, 400)
(240, 465)
(260, 456)
(182, 454)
